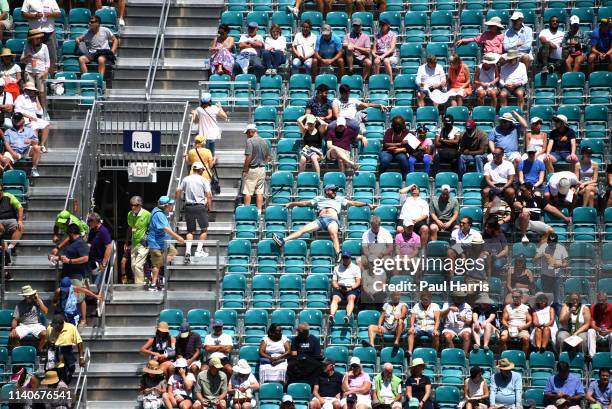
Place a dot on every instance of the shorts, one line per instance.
(325, 221)
(522, 333)
(254, 181)
(23, 330)
(422, 333)
(535, 226)
(37, 80)
(38, 124)
(329, 402)
(9, 224)
(360, 62)
(330, 157)
(389, 329)
(393, 59)
(344, 296)
(455, 333)
(157, 256)
(7, 23)
(196, 213)
(24, 151)
(363, 399)
(560, 155)
(514, 91)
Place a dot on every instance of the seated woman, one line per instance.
(423, 152)
(544, 324)
(484, 321)
(10, 72)
(519, 278)
(475, 390)
(275, 50)
(486, 77)
(459, 80)
(221, 57)
(587, 172)
(242, 386)
(160, 348)
(274, 350)
(384, 49)
(312, 140)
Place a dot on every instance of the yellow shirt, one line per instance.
(68, 336)
(207, 157)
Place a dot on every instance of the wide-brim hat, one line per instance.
(51, 378)
(505, 365)
(490, 58)
(507, 117)
(6, 52)
(417, 362)
(35, 33)
(511, 55)
(30, 86)
(484, 299)
(242, 367)
(494, 21)
(27, 290)
(153, 368)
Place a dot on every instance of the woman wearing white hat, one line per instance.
(30, 105)
(486, 77)
(492, 39)
(242, 386)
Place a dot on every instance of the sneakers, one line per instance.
(278, 240)
(152, 288)
(201, 253)
(346, 319)
(525, 239)
(187, 259)
(544, 70)
(35, 173)
(43, 149)
(121, 22)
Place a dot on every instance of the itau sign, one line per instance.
(141, 141)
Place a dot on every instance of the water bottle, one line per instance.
(206, 64)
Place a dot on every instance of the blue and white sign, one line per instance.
(142, 141)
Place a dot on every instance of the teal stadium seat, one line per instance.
(238, 256)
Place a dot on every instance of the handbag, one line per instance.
(215, 187)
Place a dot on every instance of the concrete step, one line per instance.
(106, 404)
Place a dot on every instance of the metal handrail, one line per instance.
(107, 286)
(80, 389)
(157, 49)
(76, 170)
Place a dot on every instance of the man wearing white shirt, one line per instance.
(415, 208)
(250, 46)
(458, 322)
(463, 236)
(303, 48)
(346, 286)
(561, 189)
(373, 238)
(512, 79)
(550, 50)
(41, 14)
(430, 76)
(499, 176)
(347, 107)
(218, 344)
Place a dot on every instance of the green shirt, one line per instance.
(444, 211)
(139, 224)
(83, 228)
(12, 199)
(4, 7)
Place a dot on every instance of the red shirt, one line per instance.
(601, 316)
(342, 140)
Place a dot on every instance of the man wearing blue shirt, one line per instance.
(564, 385)
(601, 45)
(506, 136)
(328, 51)
(506, 386)
(519, 37)
(159, 232)
(531, 170)
(600, 391)
(21, 141)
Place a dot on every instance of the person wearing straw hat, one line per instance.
(21, 142)
(160, 347)
(97, 44)
(52, 381)
(41, 15)
(29, 105)
(506, 386)
(26, 318)
(512, 79)
(242, 386)
(562, 142)
(484, 321)
(152, 386)
(418, 386)
(492, 39)
(486, 77)
(10, 71)
(506, 136)
(37, 62)
(519, 36)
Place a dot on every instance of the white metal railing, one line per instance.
(106, 287)
(80, 389)
(158, 48)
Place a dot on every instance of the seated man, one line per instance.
(472, 148)
(430, 76)
(21, 141)
(339, 140)
(601, 45)
(561, 189)
(564, 385)
(328, 52)
(416, 210)
(11, 216)
(328, 207)
(512, 79)
(391, 320)
(506, 136)
(357, 45)
(211, 387)
(424, 321)
(561, 142)
(250, 46)
(520, 37)
(326, 393)
(321, 107)
(529, 210)
(303, 48)
(444, 211)
(506, 389)
(464, 235)
(29, 106)
(499, 177)
(346, 286)
(447, 141)
(387, 388)
(550, 51)
(516, 322)
(26, 318)
(97, 44)
(531, 170)
(458, 321)
(601, 324)
(600, 391)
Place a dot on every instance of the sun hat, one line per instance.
(494, 21)
(490, 58)
(510, 55)
(310, 119)
(505, 364)
(152, 368)
(181, 363)
(560, 118)
(30, 86)
(6, 52)
(242, 367)
(517, 15)
(27, 291)
(163, 327)
(250, 127)
(417, 362)
(35, 33)
(507, 116)
(51, 378)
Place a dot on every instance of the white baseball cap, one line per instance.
(355, 361)
(517, 15)
(341, 121)
(445, 187)
(574, 20)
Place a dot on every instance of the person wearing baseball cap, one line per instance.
(588, 171)
(561, 142)
(472, 148)
(550, 51)
(188, 344)
(538, 139)
(180, 385)
(357, 46)
(158, 235)
(220, 345)
(574, 45)
(328, 387)
(346, 286)
(407, 241)
(256, 156)
(207, 116)
(506, 136)
(312, 140)
(250, 45)
(339, 140)
(600, 42)
(561, 189)
(359, 385)
(444, 212)
(202, 154)
(513, 77)
(447, 143)
(519, 36)
(492, 39)
(531, 169)
(328, 52)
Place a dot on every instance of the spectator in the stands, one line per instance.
(418, 386)
(512, 79)
(69, 300)
(328, 52)
(574, 322)
(429, 77)
(531, 170)
(74, 255)
(538, 139)
(506, 386)
(41, 15)
(553, 259)
(303, 48)
(564, 385)
(312, 142)
(464, 235)
(457, 317)
(473, 147)
(274, 349)
(529, 208)
(387, 388)
(519, 37)
(600, 391)
(376, 242)
(520, 279)
(180, 386)
(152, 386)
(305, 344)
(221, 57)
(391, 321)
(62, 337)
(26, 318)
(206, 116)
(544, 324)
(550, 51)
(161, 347)
(475, 390)
(407, 242)
(492, 39)
(11, 216)
(560, 191)
(339, 142)
(321, 107)
(100, 246)
(459, 80)
(601, 45)
(346, 286)
(6, 102)
(484, 321)
(327, 392)
(250, 46)
(416, 210)
(499, 177)
(384, 49)
(10, 71)
(346, 106)
(562, 142)
(486, 77)
(424, 321)
(256, 155)
(601, 323)
(98, 44)
(447, 141)
(274, 54)
(394, 146)
(29, 105)
(305, 361)
(357, 382)
(159, 233)
(516, 322)
(35, 57)
(6, 21)
(357, 45)
(211, 387)
(444, 211)
(506, 136)
(574, 46)
(218, 344)
(138, 220)
(242, 386)
(587, 172)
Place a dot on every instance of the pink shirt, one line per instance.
(355, 382)
(361, 41)
(493, 43)
(408, 247)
